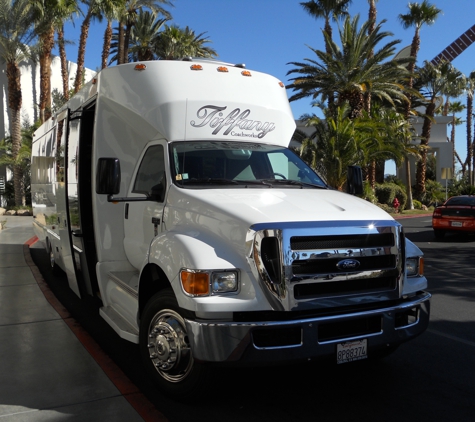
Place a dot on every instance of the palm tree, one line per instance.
(144, 36)
(49, 15)
(174, 43)
(349, 73)
(111, 15)
(22, 158)
(470, 89)
(61, 43)
(95, 10)
(454, 108)
(386, 139)
(15, 35)
(128, 18)
(433, 79)
(372, 15)
(327, 9)
(333, 146)
(419, 15)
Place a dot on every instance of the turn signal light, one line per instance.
(196, 284)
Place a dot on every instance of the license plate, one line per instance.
(350, 351)
(456, 224)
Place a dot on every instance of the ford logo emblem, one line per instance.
(348, 264)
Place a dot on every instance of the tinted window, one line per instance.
(151, 170)
(209, 162)
(460, 200)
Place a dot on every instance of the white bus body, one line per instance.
(223, 246)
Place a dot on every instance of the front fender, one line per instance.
(173, 251)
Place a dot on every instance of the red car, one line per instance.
(457, 214)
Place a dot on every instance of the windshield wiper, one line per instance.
(214, 180)
(293, 183)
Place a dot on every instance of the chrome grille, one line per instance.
(300, 243)
(329, 264)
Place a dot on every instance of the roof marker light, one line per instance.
(281, 84)
(196, 67)
(223, 69)
(140, 67)
(246, 73)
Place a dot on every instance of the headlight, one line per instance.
(204, 283)
(224, 282)
(415, 266)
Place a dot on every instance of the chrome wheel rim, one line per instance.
(168, 346)
(51, 257)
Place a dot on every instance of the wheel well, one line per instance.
(152, 280)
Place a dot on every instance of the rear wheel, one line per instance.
(55, 269)
(165, 348)
(439, 234)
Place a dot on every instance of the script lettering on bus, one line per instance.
(214, 117)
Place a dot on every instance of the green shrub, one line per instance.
(434, 194)
(368, 193)
(417, 204)
(386, 193)
(386, 208)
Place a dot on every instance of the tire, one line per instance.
(439, 234)
(55, 269)
(165, 349)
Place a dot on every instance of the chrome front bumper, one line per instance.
(307, 338)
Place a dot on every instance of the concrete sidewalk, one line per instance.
(46, 373)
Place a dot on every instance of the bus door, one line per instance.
(64, 192)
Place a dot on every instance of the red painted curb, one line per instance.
(126, 387)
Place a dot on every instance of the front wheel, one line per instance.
(165, 348)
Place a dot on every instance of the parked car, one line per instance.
(456, 214)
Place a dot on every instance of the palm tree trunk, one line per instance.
(120, 44)
(452, 139)
(14, 103)
(372, 175)
(107, 44)
(409, 204)
(128, 28)
(82, 51)
(422, 163)
(64, 62)
(47, 43)
(472, 154)
(468, 161)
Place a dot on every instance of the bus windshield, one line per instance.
(212, 164)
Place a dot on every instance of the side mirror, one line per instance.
(108, 176)
(354, 181)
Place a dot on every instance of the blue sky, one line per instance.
(268, 34)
